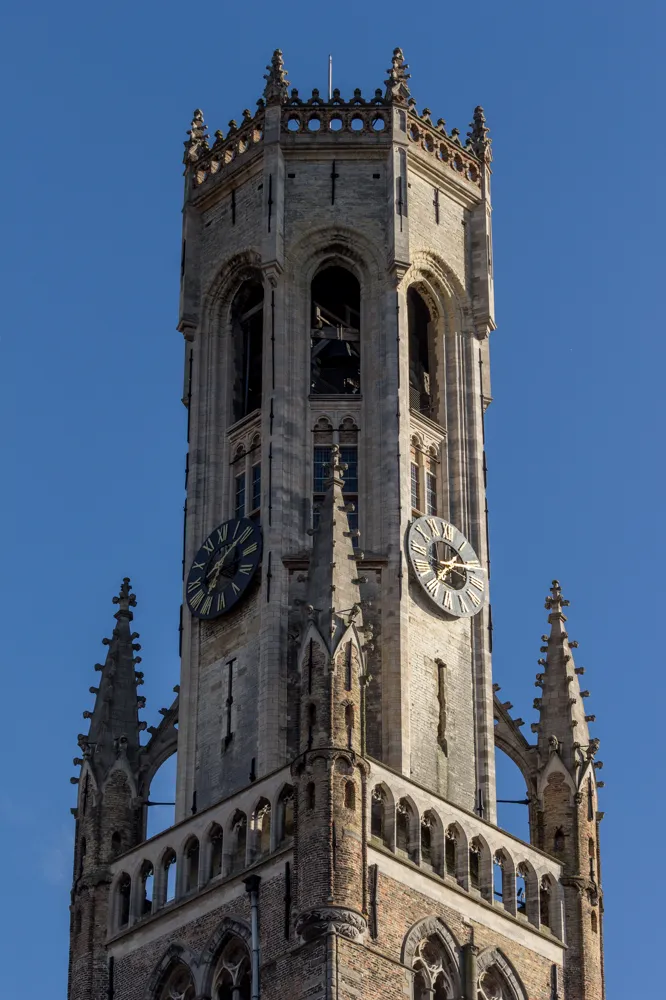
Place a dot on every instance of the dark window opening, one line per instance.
(255, 500)
(474, 868)
(192, 865)
(310, 796)
(116, 844)
(544, 905)
(216, 842)
(420, 367)
(124, 893)
(335, 333)
(450, 854)
(558, 840)
(239, 495)
(247, 318)
(350, 795)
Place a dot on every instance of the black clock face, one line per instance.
(223, 568)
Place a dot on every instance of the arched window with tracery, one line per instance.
(232, 979)
(434, 977)
(247, 324)
(493, 986)
(178, 985)
(421, 355)
(335, 331)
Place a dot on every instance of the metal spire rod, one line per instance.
(330, 77)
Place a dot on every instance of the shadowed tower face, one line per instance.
(335, 723)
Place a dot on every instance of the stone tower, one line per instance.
(336, 719)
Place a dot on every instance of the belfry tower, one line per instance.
(336, 719)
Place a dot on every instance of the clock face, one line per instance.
(446, 566)
(223, 567)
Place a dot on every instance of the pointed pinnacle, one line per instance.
(125, 598)
(276, 89)
(478, 135)
(397, 88)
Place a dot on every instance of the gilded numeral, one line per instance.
(246, 534)
(448, 603)
(421, 566)
(235, 589)
(209, 545)
(432, 586)
(250, 548)
(205, 607)
(474, 598)
(196, 600)
(463, 606)
(419, 548)
(447, 531)
(434, 527)
(476, 581)
(197, 565)
(421, 532)
(222, 532)
(193, 585)
(221, 602)
(246, 568)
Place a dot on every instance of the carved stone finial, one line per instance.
(275, 91)
(397, 89)
(198, 138)
(125, 598)
(336, 468)
(555, 602)
(478, 139)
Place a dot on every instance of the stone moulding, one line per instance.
(348, 923)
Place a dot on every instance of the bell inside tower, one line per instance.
(335, 333)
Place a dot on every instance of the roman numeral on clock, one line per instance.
(191, 587)
(432, 586)
(209, 546)
(421, 566)
(196, 600)
(421, 549)
(477, 582)
(205, 607)
(246, 568)
(474, 598)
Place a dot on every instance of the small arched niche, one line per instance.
(335, 332)
(247, 329)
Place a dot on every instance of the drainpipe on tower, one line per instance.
(252, 888)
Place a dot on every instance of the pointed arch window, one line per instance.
(335, 358)
(239, 841)
(178, 985)
(435, 977)
(247, 323)
(215, 842)
(285, 815)
(232, 979)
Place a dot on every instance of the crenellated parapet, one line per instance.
(334, 121)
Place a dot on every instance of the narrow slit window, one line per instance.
(255, 502)
(239, 496)
(247, 324)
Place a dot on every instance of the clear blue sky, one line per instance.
(96, 99)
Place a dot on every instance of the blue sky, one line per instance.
(95, 101)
